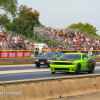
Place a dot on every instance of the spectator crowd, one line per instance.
(8, 42)
(72, 40)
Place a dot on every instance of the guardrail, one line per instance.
(36, 53)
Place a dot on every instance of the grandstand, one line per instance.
(67, 39)
(13, 41)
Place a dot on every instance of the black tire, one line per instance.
(53, 72)
(91, 69)
(78, 70)
(37, 65)
(48, 65)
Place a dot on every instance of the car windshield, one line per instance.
(71, 56)
(49, 54)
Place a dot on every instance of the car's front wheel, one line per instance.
(53, 72)
(37, 65)
(91, 69)
(48, 65)
(78, 70)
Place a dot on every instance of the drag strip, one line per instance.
(38, 75)
(30, 71)
(23, 71)
(27, 67)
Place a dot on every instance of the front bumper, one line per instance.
(63, 68)
(42, 63)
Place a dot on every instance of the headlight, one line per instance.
(36, 59)
(48, 60)
(51, 62)
(71, 63)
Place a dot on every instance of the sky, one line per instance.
(62, 13)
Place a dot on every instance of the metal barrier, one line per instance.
(37, 53)
(16, 46)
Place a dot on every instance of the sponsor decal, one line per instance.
(19, 54)
(27, 54)
(12, 55)
(4, 55)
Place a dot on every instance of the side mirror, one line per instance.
(57, 57)
(85, 58)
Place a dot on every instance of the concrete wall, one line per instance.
(97, 59)
(15, 61)
(46, 89)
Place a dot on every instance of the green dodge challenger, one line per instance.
(73, 62)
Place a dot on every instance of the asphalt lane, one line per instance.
(36, 75)
(92, 96)
(42, 72)
(25, 67)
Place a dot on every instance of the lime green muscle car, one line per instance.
(73, 62)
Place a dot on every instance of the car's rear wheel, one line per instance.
(37, 65)
(53, 72)
(78, 70)
(91, 69)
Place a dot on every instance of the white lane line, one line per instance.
(97, 67)
(17, 65)
(23, 71)
(28, 70)
(25, 65)
(97, 62)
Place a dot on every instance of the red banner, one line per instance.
(14, 54)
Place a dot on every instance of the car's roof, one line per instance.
(75, 53)
(51, 51)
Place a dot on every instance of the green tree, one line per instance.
(4, 19)
(10, 6)
(25, 21)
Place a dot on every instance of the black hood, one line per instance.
(50, 58)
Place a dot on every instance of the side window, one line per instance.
(60, 54)
(85, 56)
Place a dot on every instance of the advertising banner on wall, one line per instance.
(4, 54)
